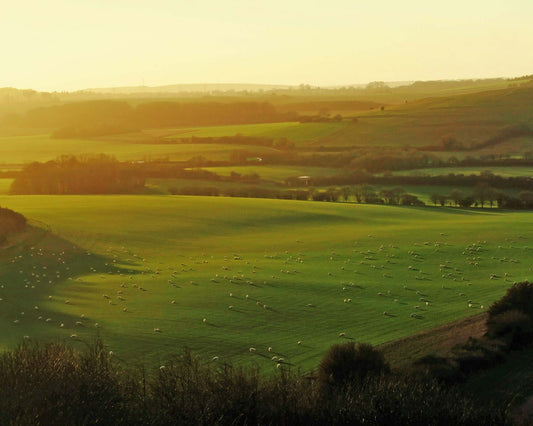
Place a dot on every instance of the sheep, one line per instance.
(299, 342)
(252, 350)
(157, 330)
(341, 335)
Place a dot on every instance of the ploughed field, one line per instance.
(155, 274)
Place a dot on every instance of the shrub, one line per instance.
(514, 327)
(519, 296)
(55, 384)
(511, 317)
(346, 363)
(443, 370)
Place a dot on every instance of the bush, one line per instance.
(55, 384)
(511, 317)
(347, 363)
(519, 296)
(443, 370)
(514, 327)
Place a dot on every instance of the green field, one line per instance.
(23, 149)
(291, 272)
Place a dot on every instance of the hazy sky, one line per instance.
(75, 44)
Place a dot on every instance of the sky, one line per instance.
(56, 45)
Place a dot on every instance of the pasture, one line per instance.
(16, 149)
(246, 279)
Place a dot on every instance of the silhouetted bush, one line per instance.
(443, 370)
(513, 326)
(54, 384)
(346, 363)
(511, 317)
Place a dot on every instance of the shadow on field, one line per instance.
(42, 265)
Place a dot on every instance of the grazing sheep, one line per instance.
(252, 350)
(157, 330)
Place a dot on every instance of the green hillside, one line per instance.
(262, 273)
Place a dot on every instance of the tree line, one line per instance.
(451, 179)
(100, 174)
(482, 195)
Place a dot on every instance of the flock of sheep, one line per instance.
(346, 274)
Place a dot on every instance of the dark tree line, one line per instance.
(363, 194)
(484, 195)
(359, 177)
(71, 175)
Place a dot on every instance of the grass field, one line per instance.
(149, 269)
(295, 132)
(23, 149)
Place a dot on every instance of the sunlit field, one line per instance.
(295, 132)
(15, 150)
(155, 274)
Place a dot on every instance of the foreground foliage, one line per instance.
(54, 384)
